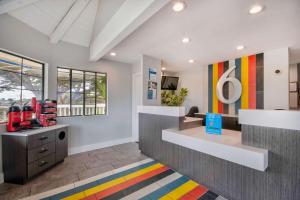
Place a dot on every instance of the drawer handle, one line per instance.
(43, 138)
(43, 163)
(43, 150)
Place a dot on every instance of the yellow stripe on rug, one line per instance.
(112, 183)
(180, 191)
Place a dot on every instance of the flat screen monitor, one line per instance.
(169, 83)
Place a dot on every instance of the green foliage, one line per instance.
(170, 98)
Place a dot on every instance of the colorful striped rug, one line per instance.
(145, 180)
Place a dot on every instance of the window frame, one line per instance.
(22, 73)
(84, 91)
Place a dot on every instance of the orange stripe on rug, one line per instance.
(93, 197)
(109, 191)
(195, 193)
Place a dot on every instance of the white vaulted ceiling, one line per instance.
(135, 27)
(97, 24)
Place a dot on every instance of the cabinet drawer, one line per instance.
(40, 139)
(41, 151)
(40, 165)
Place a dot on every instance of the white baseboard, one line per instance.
(91, 147)
(1, 178)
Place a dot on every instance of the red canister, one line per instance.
(14, 118)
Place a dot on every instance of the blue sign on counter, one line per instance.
(213, 123)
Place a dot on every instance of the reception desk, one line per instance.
(261, 162)
(227, 146)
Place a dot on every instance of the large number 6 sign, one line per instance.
(236, 85)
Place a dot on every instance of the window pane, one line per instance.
(101, 94)
(7, 97)
(32, 68)
(63, 104)
(10, 63)
(77, 81)
(101, 88)
(77, 104)
(90, 106)
(32, 82)
(10, 79)
(90, 83)
(63, 80)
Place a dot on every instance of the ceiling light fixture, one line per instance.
(113, 54)
(255, 9)
(178, 6)
(240, 47)
(185, 40)
(191, 61)
(163, 69)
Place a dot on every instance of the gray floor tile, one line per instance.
(94, 171)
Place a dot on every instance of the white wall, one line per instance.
(136, 67)
(86, 132)
(149, 62)
(276, 86)
(194, 82)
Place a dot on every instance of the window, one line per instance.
(81, 92)
(20, 80)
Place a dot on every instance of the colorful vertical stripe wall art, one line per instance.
(249, 71)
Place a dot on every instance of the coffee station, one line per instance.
(33, 141)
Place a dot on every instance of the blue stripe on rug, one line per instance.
(166, 189)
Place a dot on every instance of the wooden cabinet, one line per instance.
(27, 154)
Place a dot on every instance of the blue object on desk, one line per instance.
(213, 123)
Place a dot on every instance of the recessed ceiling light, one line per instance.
(178, 6)
(256, 9)
(240, 47)
(191, 61)
(185, 40)
(163, 68)
(113, 54)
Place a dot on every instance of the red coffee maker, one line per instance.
(26, 116)
(14, 118)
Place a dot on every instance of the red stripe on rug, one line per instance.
(195, 193)
(109, 191)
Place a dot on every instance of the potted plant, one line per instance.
(170, 98)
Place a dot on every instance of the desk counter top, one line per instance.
(227, 146)
(282, 119)
(35, 130)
